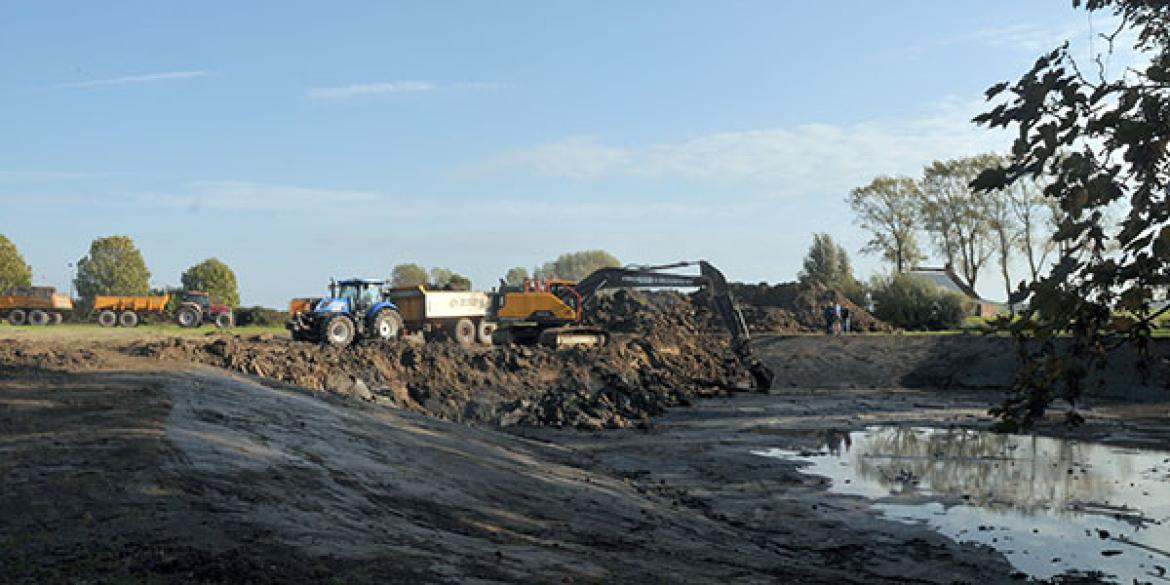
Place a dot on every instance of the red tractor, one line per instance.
(197, 308)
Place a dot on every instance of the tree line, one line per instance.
(569, 266)
(115, 266)
(969, 228)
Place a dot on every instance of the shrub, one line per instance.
(911, 303)
(260, 316)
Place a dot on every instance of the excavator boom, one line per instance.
(710, 280)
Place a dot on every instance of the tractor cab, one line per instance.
(198, 297)
(354, 296)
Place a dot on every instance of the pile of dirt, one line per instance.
(662, 354)
(794, 307)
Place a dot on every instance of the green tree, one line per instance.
(828, 264)
(440, 277)
(14, 271)
(214, 277)
(578, 265)
(446, 278)
(957, 216)
(888, 208)
(516, 276)
(1100, 144)
(407, 275)
(114, 266)
(459, 282)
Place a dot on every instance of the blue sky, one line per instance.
(302, 140)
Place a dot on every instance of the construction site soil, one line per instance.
(262, 460)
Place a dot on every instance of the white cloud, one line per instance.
(483, 85)
(808, 158)
(348, 91)
(132, 79)
(245, 195)
(1025, 36)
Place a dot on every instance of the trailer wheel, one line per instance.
(463, 332)
(128, 319)
(107, 318)
(223, 320)
(484, 332)
(387, 324)
(58, 318)
(16, 317)
(188, 317)
(38, 318)
(339, 331)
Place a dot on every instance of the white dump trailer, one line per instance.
(461, 315)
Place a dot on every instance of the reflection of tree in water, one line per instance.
(1026, 472)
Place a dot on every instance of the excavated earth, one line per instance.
(259, 460)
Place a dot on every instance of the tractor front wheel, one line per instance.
(339, 331)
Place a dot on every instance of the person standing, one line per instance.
(846, 324)
(837, 318)
(828, 319)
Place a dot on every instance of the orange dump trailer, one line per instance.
(34, 305)
(127, 311)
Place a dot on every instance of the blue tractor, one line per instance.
(355, 309)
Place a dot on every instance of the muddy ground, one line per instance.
(127, 463)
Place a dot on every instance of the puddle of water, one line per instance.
(1049, 505)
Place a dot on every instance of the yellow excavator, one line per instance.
(550, 311)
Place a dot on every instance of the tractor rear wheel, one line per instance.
(107, 318)
(484, 332)
(128, 319)
(463, 332)
(188, 317)
(223, 320)
(388, 324)
(339, 331)
(38, 318)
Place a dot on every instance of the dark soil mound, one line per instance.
(794, 307)
(663, 353)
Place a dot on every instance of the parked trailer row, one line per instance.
(34, 305)
(194, 310)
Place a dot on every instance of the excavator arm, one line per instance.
(710, 280)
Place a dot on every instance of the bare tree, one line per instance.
(1036, 216)
(888, 208)
(956, 215)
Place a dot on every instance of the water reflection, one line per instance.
(1050, 505)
